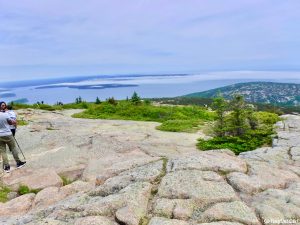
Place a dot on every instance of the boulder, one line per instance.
(261, 176)
(76, 186)
(274, 204)
(129, 206)
(205, 187)
(181, 209)
(12, 195)
(34, 179)
(17, 206)
(94, 220)
(114, 164)
(46, 197)
(210, 160)
(145, 173)
(51, 195)
(164, 221)
(222, 223)
(232, 211)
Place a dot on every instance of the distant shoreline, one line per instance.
(102, 86)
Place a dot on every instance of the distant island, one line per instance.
(7, 95)
(93, 86)
(281, 94)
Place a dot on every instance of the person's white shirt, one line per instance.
(4, 126)
(12, 116)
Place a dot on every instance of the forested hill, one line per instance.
(281, 94)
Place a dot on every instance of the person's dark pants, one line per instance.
(13, 131)
(8, 140)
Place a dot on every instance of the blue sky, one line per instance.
(53, 38)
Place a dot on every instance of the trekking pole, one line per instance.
(19, 148)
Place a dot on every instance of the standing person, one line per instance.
(6, 138)
(3, 106)
(12, 116)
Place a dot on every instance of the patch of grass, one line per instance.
(180, 125)
(173, 118)
(22, 122)
(65, 180)
(24, 189)
(144, 221)
(3, 193)
(82, 105)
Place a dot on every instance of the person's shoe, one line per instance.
(6, 168)
(20, 164)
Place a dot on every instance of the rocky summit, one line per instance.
(127, 172)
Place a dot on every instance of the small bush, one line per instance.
(179, 125)
(235, 144)
(267, 118)
(251, 140)
(3, 193)
(65, 180)
(22, 122)
(23, 190)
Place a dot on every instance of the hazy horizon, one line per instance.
(210, 75)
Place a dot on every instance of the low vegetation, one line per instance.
(238, 127)
(3, 193)
(233, 124)
(82, 105)
(66, 180)
(173, 118)
(22, 122)
(23, 190)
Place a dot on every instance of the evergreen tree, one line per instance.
(251, 119)
(220, 105)
(135, 99)
(78, 100)
(238, 116)
(97, 101)
(112, 101)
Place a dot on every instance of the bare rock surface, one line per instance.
(130, 173)
(210, 160)
(17, 206)
(34, 179)
(233, 211)
(94, 220)
(205, 187)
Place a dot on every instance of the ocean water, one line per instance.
(66, 90)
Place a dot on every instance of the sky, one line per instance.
(55, 38)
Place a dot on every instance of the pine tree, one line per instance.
(78, 100)
(112, 101)
(135, 98)
(97, 101)
(238, 116)
(220, 105)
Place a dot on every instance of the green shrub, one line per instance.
(173, 118)
(267, 118)
(65, 180)
(23, 190)
(180, 125)
(235, 144)
(22, 122)
(3, 193)
(251, 140)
